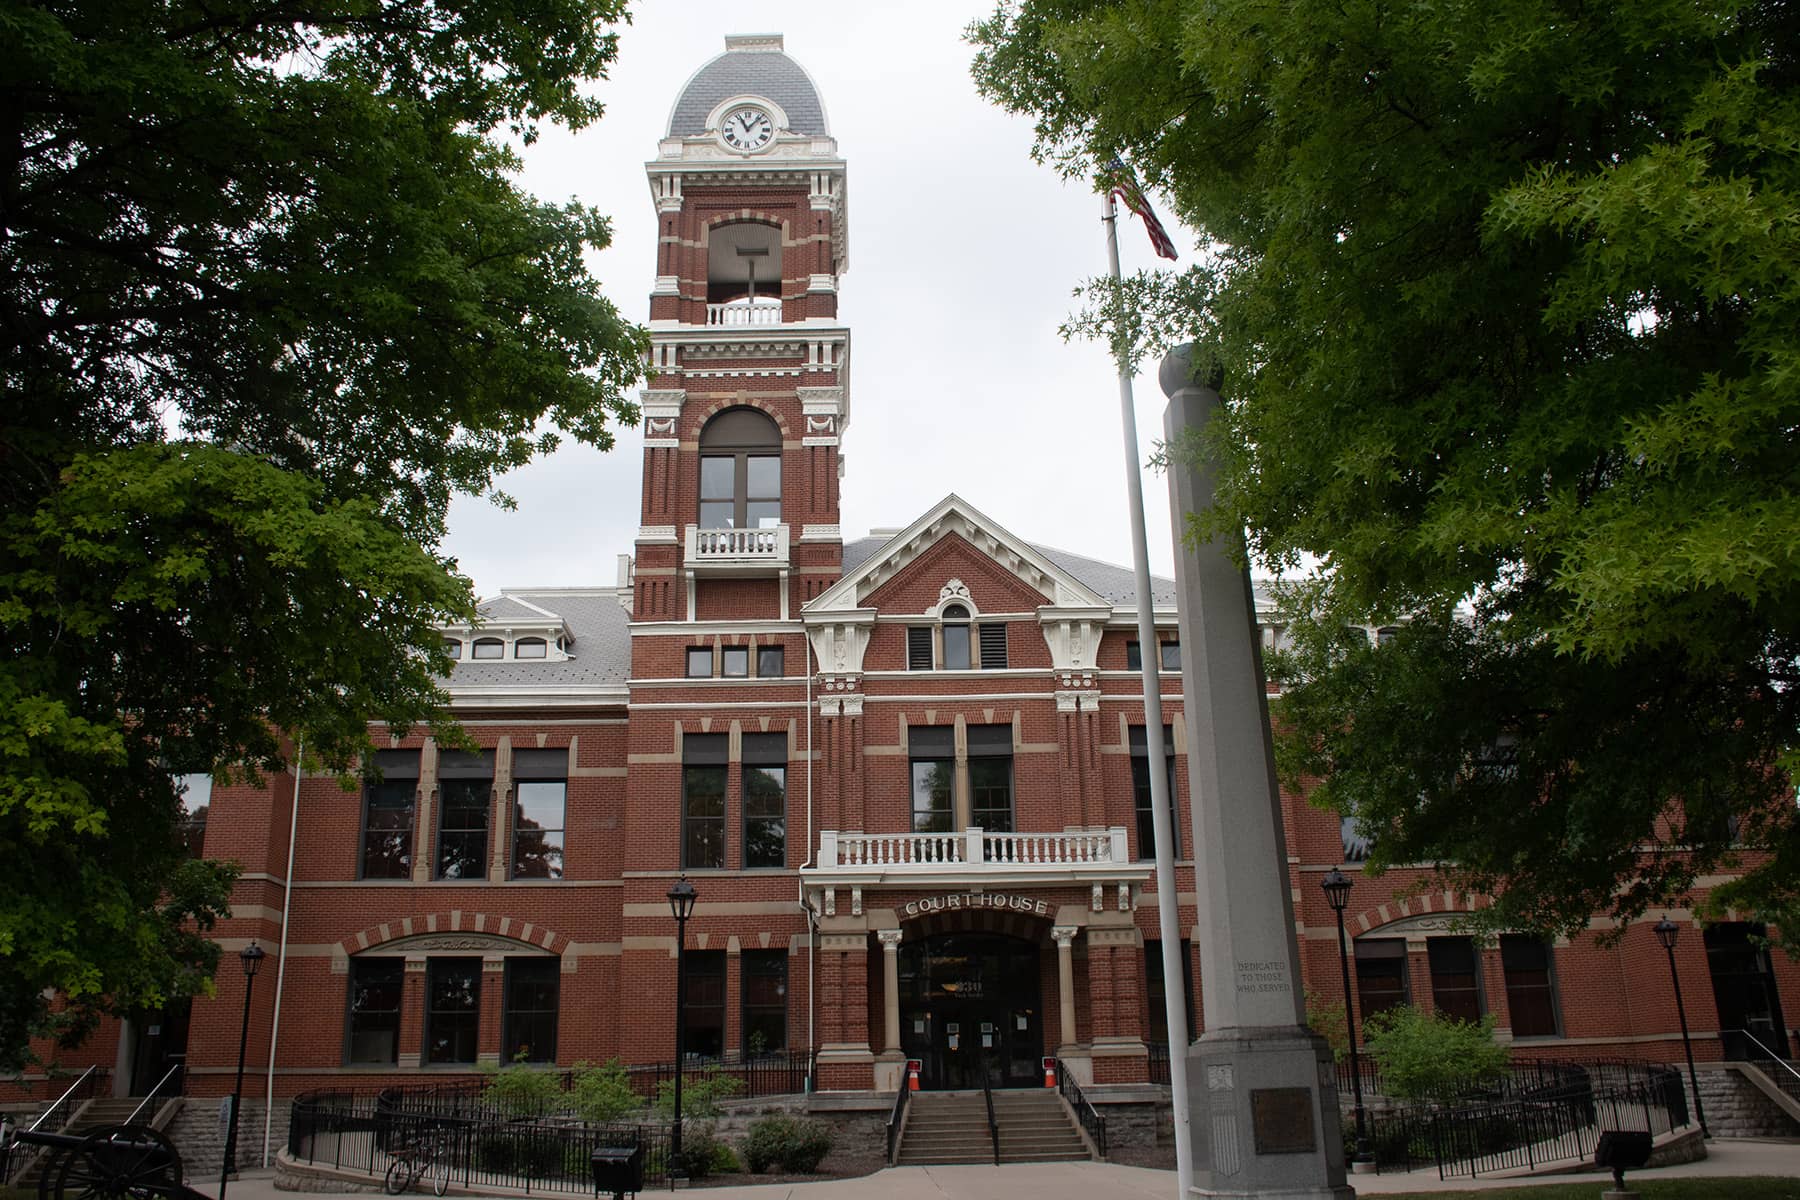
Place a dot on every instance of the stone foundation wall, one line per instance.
(197, 1133)
(1735, 1107)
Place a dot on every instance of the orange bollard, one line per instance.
(1049, 1072)
(912, 1076)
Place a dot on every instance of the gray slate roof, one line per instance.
(767, 73)
(1114, 584)
(601, 648)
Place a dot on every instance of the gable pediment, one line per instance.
(967, 544)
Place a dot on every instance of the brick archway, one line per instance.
(1444, 903)
(456, 921)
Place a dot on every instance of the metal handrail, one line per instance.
(61, 1100)
(987, 1093)
(173, 1072)
(1768, 1054)
(897, 1118)
(14, 1165)
(1085, 1112)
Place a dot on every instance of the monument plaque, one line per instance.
(1282, 1119)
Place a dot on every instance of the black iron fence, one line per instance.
(364, 1132)
(1159, 1062)
(1539, 1123)
(779, 1074)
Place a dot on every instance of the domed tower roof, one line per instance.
(752, 65)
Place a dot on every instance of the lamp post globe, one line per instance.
(1336, 886)
(681, 907)
(1667, 932)
(251, 959)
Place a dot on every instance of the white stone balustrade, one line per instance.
(737, 548)
(744, 312)
(973, 849)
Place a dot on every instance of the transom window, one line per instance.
(740, 471)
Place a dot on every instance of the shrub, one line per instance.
(1432, 1058)
(1328, 1020)
(522, 1091)
(603, 1094)
(704, 1153)
(794, 1145)
(700, 1094)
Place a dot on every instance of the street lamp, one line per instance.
(251, 956)
(681, 904)
(1337, 893)
(1666, 933)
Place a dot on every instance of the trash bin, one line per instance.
(1622, 1150)
(618, 1169)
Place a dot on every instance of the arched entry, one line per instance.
(970, 1006)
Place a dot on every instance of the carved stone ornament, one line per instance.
(955, 590)
(659, 427)
(484, 942)
(821, 425)
(1098, 901)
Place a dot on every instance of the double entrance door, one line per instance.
(970, 1010)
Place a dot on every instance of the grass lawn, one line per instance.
(1650, 1189)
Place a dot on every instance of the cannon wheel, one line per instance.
(120, 1161)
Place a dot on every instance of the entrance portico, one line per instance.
(979, 970)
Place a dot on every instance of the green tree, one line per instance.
(269, 297)
(1503, 300)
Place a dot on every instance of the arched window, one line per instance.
(487, 648)
(452, 647)
(740, 471)
(529, 648)
(956, 637)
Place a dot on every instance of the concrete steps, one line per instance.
(952, 1127)
(95, 1114)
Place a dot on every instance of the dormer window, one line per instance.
(530, 648)
(487, 648)
(452, 647)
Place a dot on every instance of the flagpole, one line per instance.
(1150, 659)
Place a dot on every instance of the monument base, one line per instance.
(1264, 1110)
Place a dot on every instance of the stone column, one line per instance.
(1262, 1096)
(493, 1002)
(890, 989)
(1064, 937)
(412, 1014)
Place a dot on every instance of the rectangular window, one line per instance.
(762, 491)
(1134, 657)
(699, 662)
(734, 662)
(765, 799)
(1455, 985)
(1171, 655)
(375, 989)
(528, 1032)
(465, 798)
(956, 648)
(1156, 1014)
(769, 662)
(918, 648)
(1530, 986)
(1380, 976)
(540, 813)
(718, 491)
(933, 755)
(452, 1009)
(765, 1001)
(1140, 788)
(990, 777)
(993, 647)
(705, 1016)
(703, 800)
(387, 840)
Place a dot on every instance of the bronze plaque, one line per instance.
(1283, 1119)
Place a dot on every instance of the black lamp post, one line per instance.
(1337, 887)
(681, 904)
(1666, 933)
(251, 956)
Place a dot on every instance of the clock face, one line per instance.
(747, 129)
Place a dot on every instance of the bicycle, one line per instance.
(425, 1157)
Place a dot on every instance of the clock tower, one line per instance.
(749, 389)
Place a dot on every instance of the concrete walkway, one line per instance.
(1088, 1181)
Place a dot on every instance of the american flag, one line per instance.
(1125, 186)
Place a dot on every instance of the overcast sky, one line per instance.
(963, 255)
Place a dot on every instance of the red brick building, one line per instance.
(905, 772)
